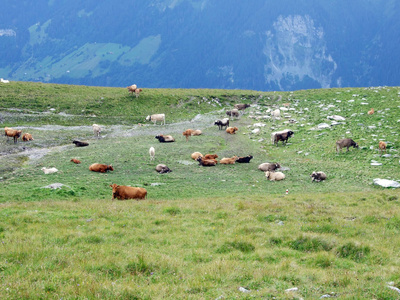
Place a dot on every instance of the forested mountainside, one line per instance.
(230, 44)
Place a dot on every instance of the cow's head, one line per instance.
(114, 187)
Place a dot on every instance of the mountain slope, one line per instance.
(264, 45)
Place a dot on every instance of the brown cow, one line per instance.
(5, 130)
(27, 137)
(371, 112)
(345, 143)
(14, 134)
(231, 130)
(101, 168)
(242, 106)
(382, 146)
(284, 137)
(123, 192)
(187, 133)
(206, 162)
(195, 155)
(137, 92)
(210, 156)
(228, 161)
(132, 88)
(77, 161)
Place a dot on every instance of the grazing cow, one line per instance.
(382, 146)
(195, 155)
(77, 161)
(229, 160)
(283, 137)
(371, 112)
(206, 162)
(96, 130)
(132, 88)
(100, 168)
(210, 156)
(245, 159)
(187, 133)
(231, 130)
(165, 138)
(269, 167)
(123, 192)
(152, 153)
(80, 144)
(137, 92)
(345, 143)
(222, 123)
(49, 170)
(15, 134)
(161, 168)
(27, 137)
(274, 176)
(156, 117)
(318, 176)
(241, 106)
(233, 113)
(277, 132)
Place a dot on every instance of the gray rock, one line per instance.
(323, 126)
(55, 186)
(386, 183)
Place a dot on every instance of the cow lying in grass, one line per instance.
(74, 160)
(161, 168)
(245, 159)
(318, 176)
(80, 144)
(123, 192)
(206, 162)
(27, 137)
(100, 168)
(165, 138)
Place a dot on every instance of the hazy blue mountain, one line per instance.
(232, 44)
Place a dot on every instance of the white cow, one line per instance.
(156, 117)
(152, 153)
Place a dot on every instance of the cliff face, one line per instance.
(261, 45)
(295, 51)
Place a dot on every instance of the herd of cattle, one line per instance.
(126, 192)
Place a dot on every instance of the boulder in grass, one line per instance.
(386, 183)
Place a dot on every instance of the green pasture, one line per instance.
(202, 233)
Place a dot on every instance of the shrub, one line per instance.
(394, 223)
(275, 240)
(140, 267)
(307, 244)
(241, 246)
(353, 252)
(271, 218)
(173, 211)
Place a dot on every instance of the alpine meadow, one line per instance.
(221, 232)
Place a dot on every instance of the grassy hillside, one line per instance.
(203, 232)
